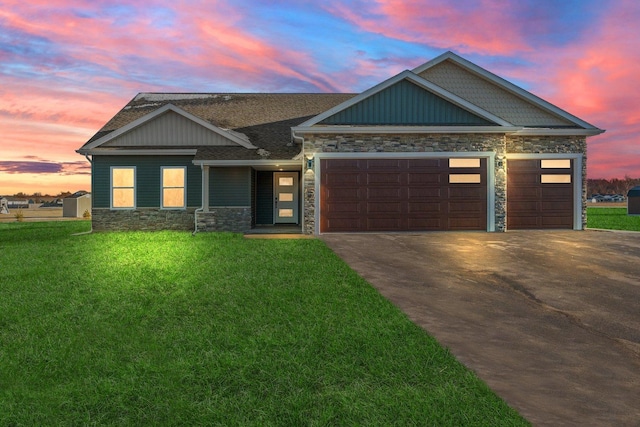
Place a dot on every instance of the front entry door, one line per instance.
(285, 197)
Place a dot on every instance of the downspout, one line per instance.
(201, 208)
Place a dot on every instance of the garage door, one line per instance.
(403, 194)
(540, 193)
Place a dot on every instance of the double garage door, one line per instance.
(359, 195)
(403, 194)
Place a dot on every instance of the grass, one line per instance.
(612, 219)
(167, 328)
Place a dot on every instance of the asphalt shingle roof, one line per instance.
(265, 118)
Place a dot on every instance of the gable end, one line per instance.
(169, 129)
(405, 104)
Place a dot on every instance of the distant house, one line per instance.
(445, 146)
(75, 205)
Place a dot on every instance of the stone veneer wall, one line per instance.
(150, 219)
(426, 143)
(552, 145)
(235, 219)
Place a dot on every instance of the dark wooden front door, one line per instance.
(540, 194)
(402, 195)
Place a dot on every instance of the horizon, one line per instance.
(71, 65)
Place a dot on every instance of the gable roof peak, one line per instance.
(506, 86)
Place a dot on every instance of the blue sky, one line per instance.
(67, 66)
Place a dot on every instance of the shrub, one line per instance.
(19, 215)
(86, 214)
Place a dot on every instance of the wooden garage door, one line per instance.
(539, 194)
(403, 195)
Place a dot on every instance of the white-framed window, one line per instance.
(555, 179)
(464, 162)
(555, 163)
(465, 178)
(173, 193)
(123, 187)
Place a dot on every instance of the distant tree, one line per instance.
(611, 186)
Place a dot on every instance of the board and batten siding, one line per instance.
(405, 103)
(170, 129)
(148, 177)
(230, 186)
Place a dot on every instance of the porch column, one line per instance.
(205, 189)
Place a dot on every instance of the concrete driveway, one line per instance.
(549, 320)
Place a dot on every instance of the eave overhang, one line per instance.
(253, 163)
(558, 132)
(402, 129)
(139, 152)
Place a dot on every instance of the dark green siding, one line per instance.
(230, 186)
(148, 169)
(405, 104)
(264, 198)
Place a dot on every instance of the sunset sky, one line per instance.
(67, 66)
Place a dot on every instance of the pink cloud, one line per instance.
(486, 28)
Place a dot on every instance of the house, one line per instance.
(445, 146)
(75, 205)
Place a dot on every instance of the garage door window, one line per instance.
(556, 164)
(464, 163)
(555, 179)
(464, 178)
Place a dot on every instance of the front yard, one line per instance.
(612, 219)
(172, 329)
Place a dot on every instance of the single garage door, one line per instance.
(403, 194)
(539, 193)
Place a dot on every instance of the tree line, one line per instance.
(611, 186)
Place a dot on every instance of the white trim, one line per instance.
(184, 188)
(232, 136)
(287, 163)
(141, 152)
(425, 84)
(404, 129)
(577, 177)
(558, 132)
(489, 155)
(135, 187)
(508, 86)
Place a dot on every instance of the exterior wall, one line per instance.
(147, 219)
(553, 145)
(230, 186)
(148, 170)
(234, 219)
(360, 143)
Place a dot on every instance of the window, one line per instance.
(555, 179)
(285, 181)
(556, 164)
(173, 187)
(464, 178)
(123, 194)
(464, 163)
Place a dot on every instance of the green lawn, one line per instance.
(167, 328)
(612, 219)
